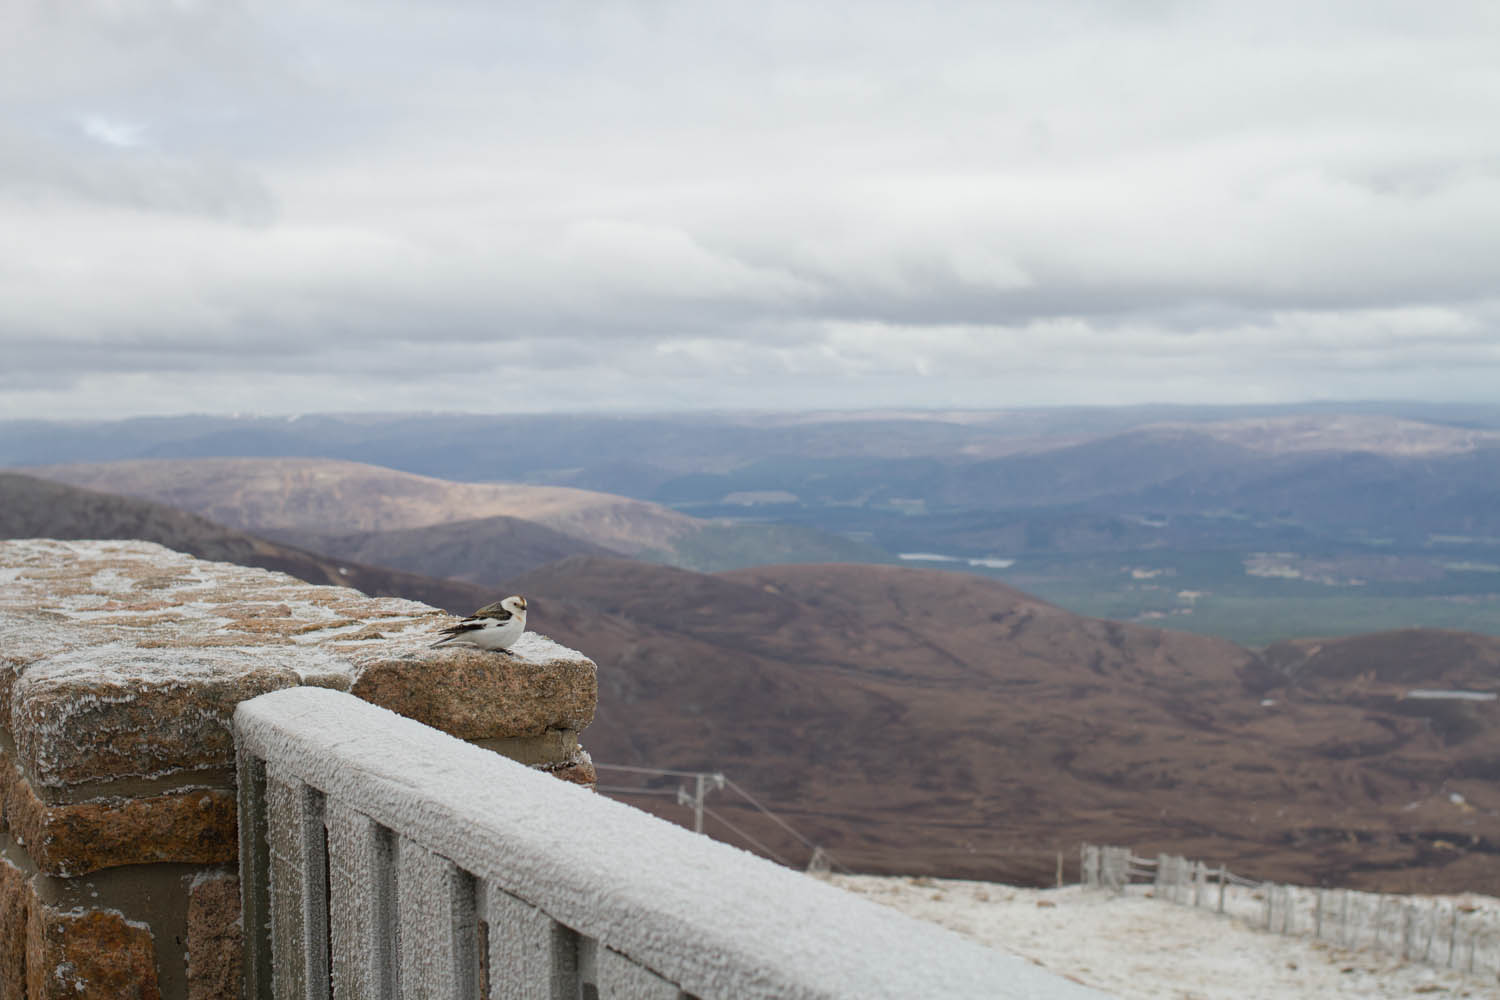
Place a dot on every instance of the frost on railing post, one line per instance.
(438, 926)
(530, 954)
(362, 904)
(299, 887)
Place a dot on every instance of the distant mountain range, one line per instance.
(925, 722)
(1337, 474)
(610, 450)
(1252, 523)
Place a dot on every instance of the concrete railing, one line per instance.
(381, 858)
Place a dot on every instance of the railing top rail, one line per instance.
(718, 921)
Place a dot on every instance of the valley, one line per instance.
(930, 722)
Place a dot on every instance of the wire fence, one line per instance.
(1451, 932)
(774, 837)
(819, 860)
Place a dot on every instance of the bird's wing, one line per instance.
(494, 611)
(467, 625)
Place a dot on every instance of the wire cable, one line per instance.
(649, 770)
(774, 856)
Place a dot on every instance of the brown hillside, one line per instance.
(917, 721)
(1405, 658)
(484, 551)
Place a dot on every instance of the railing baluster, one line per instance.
(362, 916)
(255, 876)
(532, 956)
(463, 913)
(435, 907)
(299, 888)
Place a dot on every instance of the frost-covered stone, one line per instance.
(194, 825)
(118, 711)
(474, 694)
(124, 660)
(88, 955)
(579, 769)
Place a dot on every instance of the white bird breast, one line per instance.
(496, 635)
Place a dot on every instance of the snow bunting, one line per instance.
(495, 626)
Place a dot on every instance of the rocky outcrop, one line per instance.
(121, 664)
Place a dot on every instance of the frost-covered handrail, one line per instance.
(388, 859)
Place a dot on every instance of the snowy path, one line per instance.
(1140, 948)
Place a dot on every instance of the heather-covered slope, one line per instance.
(483, 551)
(918, 721)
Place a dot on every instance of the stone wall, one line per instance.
(120, 667)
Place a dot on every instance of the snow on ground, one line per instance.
(1141, 948)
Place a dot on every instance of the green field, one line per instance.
(1251, 582)
(1211, 594)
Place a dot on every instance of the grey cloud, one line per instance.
(683, 202)
(133, 178)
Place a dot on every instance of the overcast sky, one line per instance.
(278, 207)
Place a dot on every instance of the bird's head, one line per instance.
(515, 604)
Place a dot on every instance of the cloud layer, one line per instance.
(219, 206)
